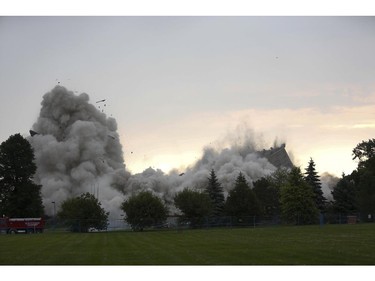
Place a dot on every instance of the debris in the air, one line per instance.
(33, 133)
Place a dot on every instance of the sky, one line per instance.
(177, 84)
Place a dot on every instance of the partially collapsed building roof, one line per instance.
(278, 157)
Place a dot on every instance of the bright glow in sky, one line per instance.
(176, 84)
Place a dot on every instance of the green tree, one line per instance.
(312, 178)
(144, 210)
(364, 177)
(366, 193)
(364, 151)
(19, 195)
(215, 192)
(83, 212)
(194, 205)
(279, 178)
(268, 196)
(345, 196)
(298, 200)
(267, 190)
(241, 201)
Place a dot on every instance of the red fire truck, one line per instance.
(21, 225)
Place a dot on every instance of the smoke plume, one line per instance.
(328, 184)
(77, 149)
(228, 162)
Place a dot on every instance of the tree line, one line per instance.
(293, 196)
(285, 193)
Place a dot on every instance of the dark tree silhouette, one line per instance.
(83, 212)
(363, 179)
(268, 196)
(312, 178)
(241, 201)
(19, 195)
(144, 210)
(364, 151)
(194, 205)
(297, 200)
(215, 192)
(345, 196)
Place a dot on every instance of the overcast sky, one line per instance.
(176, 84)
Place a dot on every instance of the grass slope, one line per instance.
(310, 245)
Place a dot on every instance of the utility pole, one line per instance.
(54, 213)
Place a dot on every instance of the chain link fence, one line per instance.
(180, 223)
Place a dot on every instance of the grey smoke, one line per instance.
(328, 184)
(77, 149)
(74, 153)
(227, 162)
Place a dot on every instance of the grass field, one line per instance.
(297, 245)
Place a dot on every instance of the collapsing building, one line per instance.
(278, 157)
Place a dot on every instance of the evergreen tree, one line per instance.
(215, 192)
(297, 200)
(241, 201)
(19, 195)
(312, 178)
(279, 178)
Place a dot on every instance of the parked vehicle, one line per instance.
(21, 225)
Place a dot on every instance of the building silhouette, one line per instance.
(277, 156)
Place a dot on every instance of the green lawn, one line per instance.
(309, 245)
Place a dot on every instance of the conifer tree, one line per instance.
(242, 201)
(297, 200)
(215, 192)
(312, 178)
